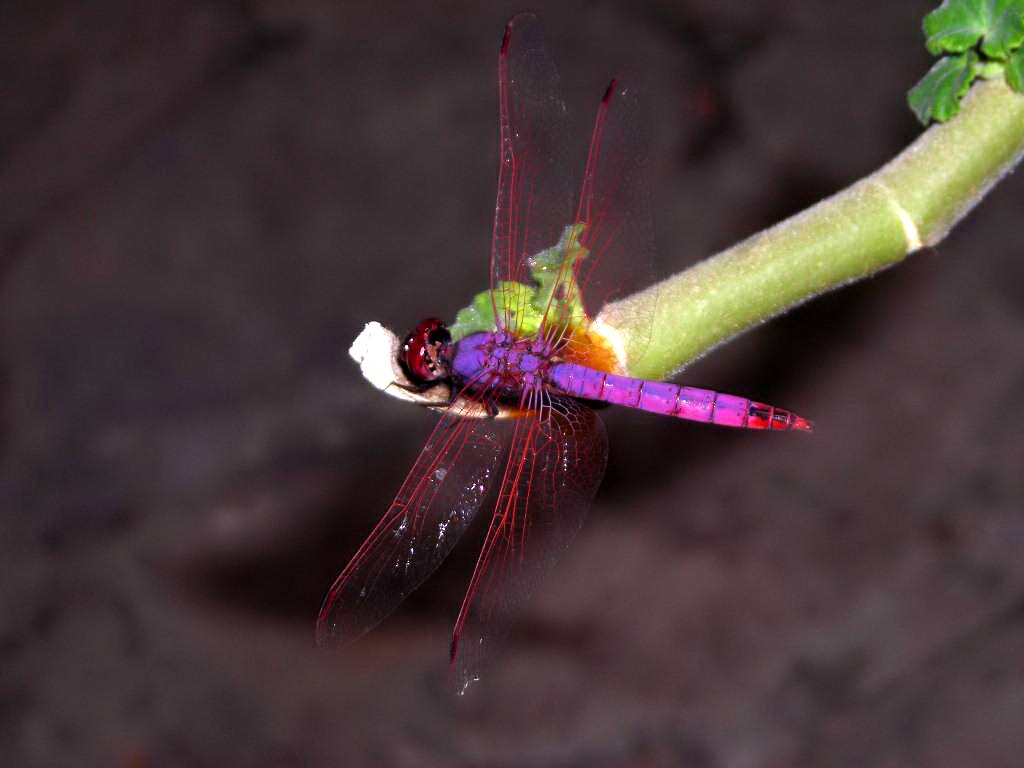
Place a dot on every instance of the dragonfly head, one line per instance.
(424, 354)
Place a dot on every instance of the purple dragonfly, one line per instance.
(516, 375)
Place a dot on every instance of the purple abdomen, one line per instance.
(672, 400)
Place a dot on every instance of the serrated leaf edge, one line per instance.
(987, 63)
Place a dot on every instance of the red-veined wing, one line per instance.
(614, 203)
(536, 200)
(614, 207)
(535, 194)
(441, 494)
(556, 461)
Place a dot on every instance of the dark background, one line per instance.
(202, 203)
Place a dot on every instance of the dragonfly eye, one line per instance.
(424, 352)
(439, 334)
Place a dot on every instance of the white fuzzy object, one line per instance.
(376, 350)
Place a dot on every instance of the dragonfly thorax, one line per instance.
(501, 362)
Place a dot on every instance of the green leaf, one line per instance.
(937, 96)
(954, 27)
(957, 26)
(479, 315)
(527, 305)
(1015, 70)
(553, 267)
(1006, 28)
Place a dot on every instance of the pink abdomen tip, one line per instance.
(802, 424)
(763, 416)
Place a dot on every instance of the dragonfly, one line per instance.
(520, 374)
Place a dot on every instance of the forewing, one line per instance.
(614, 207)
(435, 504)
(556, 462)
(535, 195)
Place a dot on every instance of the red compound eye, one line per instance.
(423, 352)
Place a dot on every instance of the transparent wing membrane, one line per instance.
(615, 214)
(441, 494)
(603, 226)
(556, 461)
(534, 199)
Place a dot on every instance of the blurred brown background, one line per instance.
(201, 204)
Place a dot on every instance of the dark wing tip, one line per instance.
(506, 37)
(610, 90)
(516, 21)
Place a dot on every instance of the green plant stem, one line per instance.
(911, 202)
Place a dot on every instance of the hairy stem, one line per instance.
(911, 202)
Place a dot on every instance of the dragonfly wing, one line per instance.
(614, 205)
(556, 462)
(441, 494)
(534, 200)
